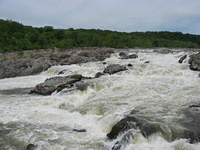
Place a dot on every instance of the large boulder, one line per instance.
(194, 62)
(132, 122)
(114, 68)
(56, 84)
(186, 127)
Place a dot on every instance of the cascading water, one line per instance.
(160, 90)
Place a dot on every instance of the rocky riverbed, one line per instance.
(109, 99)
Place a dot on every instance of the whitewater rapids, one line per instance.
(160, 89)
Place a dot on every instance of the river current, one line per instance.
(160, 89)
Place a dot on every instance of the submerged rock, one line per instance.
(55, 84)
(182, 59)
(114, 68)
(31, 147)
(194, 62)
(79, 130)
(98, 74)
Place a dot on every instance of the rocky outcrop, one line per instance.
(182, 59)
(194, 62)
(186, 128)
(131, 122)
(114, 68)
(125, 55)
(56, 84)
(36, 61)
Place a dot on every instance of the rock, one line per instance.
(125, 55)
(184, 128)
(129, 65)
(98, 74)
(62, 72)
(55, 84)
(162, 51)
(36, 61)
(82, 85)
(182, 59)
(147, 62)
(194, 62)
(104, 63)
(31, 147)
(79, 130)
(133, 56)
(122, 142)
(114, 68)
(131, 122)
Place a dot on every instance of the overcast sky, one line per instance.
(120, 15)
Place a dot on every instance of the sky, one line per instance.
(118, 15)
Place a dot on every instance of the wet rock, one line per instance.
(114, 68)
(31, 147)
(62, 72)
(131, 122)
(122, 142)
(125, 55)
(55, 84)
(133, 56)
(147, 62)
(79, 130)
(99, 74)
(194, 62)
(82, 85)
(182, 59)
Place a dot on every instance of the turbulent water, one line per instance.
(159, 89)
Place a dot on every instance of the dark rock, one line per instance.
(114, 68)
(194, 106)
(62, 72)
(182, 59)
(147, 62)
(104, 63)
(125, 55)
(133, 56)
(55, 84)
(131, 122)
(99, 74)
(122, 142)
(79, 130)
(194, 62)
(129, 65)
(31, 147)
(82, 85)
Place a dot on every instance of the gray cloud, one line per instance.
(120, 15)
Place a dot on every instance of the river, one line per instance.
(160, 89)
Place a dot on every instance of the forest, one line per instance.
(15, 36)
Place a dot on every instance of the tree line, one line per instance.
(15, 36)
